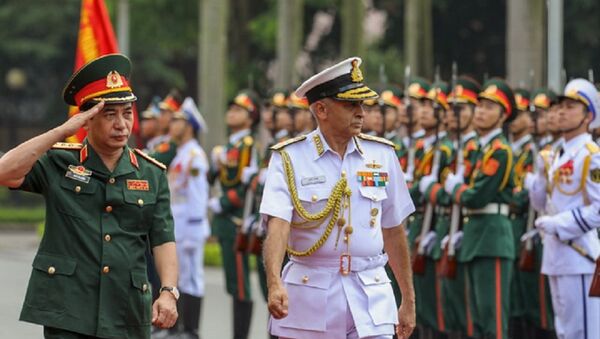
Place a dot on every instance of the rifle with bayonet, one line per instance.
(448, 260)
(410, 167)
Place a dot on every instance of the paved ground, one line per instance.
(17, 250)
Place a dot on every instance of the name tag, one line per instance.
(138, 185)
(313, 180)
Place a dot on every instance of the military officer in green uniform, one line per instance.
(523, 147)
(488, 245)
(230, 163)
(103, 200)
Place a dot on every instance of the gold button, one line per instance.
(107, 237)
(144, 287)
(374, 212)
(77, 189)
(105, 269)
(305, 279)
(314, 197)
(51, 270)
(377, 278)
(140, 202)
(372, 222)
(111, 180)
(465, 220)
(108, 208)
(343, 173)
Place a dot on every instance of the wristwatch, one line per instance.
(172, 289)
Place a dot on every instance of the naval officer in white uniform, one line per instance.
(336, 200)
(567, 188)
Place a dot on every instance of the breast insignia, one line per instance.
(151, 159)
(288, 142)
(376, 139)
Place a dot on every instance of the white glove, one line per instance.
(426, 181)
(247, 225)
(217, 156)
(408, 177)
(445, 242)
(262, 176)
(529, 180)
(428, 242)
(460, 171)
(214, 204)
(247, 173)
(548, 224)
(529, 235)
(457, 239)
(451, 182)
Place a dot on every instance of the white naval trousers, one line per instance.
(191, 269)
(576, 315)
(323, 304)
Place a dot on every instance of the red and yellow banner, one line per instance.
(96, 38)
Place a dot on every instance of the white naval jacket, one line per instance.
(317, 168)
(576, 209)
(189, 194)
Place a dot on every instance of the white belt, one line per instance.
(358, 263)
(491, 208)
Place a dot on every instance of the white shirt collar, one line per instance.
(418, 134)
(556, 144)
(354, 144)
(428, 141)
(574, 145)
(486, 139)
(237, 136)
(518, 144)
(465, 137)
(390, 134)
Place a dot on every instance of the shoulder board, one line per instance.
(592, 147)
(446, 149)
(288, 142)
(67, 145)
(151, 159)
(420, 143)
(498, 144)
(376, 139)
(248, 140)
(471, 145)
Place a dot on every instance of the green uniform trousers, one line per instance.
(538, 305)
(517, 297)
(57, 333)
(235, 263)
(489, 300)
(454, 294)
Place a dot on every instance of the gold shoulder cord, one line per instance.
(581, 187)
(339, 192)
(244, 161)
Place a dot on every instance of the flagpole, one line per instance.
(123, 26)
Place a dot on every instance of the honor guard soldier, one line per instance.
(569, 192)
(304, 121)
(189, 187)
(463, 98)
(373, 122)
(391, 103)
(165, 150)
(488, 245)
(229, 164)
(537, 301)
(334, 200)
(103, 200)
(523, 149)
(149, 131)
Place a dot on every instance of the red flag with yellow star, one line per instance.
(96, 38)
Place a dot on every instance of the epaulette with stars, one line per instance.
(151, 159)
(288, 142)
(376, 139)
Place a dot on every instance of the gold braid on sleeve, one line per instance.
(333, 207)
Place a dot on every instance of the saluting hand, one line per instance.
(278, 301)
(164, 311)
(77, 121)
(406, 320)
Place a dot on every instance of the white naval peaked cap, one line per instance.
(192, 115)
(343, 81)
(584, 91)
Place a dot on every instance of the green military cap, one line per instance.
(465, 91)
(498, 91)
(391, 97)
(295, 102)
(544, 98)
(522, 99)
(105, 78)
(418, 88)
(248, 100)
(172, 102)
(152, 111)
(438, 93)
(279, 98)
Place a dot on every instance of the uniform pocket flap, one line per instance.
(78, 187)
(313, 194)
(373, 277)
(139, 280)
(138, 198)
(54, 264)
(373, 193)
(305, 276)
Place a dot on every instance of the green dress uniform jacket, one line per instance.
(165, 152)
(89, 274)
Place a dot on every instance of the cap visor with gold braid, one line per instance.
(343, 81)
(103, 79)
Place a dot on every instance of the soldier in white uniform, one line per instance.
(337, 199)
(567, 187)
(189, 196)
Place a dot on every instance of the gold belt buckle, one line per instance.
(345, 263)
